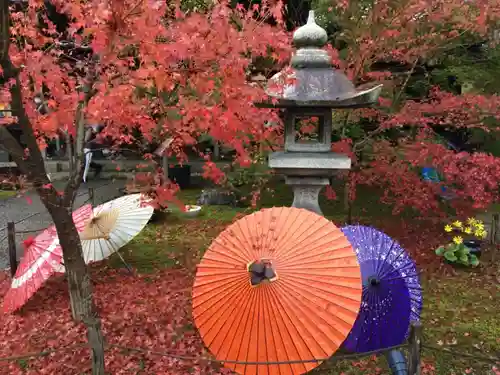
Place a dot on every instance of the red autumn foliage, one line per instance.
(140, 311)
(201, 60)
(412, 33)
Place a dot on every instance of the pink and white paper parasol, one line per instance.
(42, 258)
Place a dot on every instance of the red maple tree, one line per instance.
(138, 53)
(410, 34)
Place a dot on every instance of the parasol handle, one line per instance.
(84, 237)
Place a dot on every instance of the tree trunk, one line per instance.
(69, 151)
(80, 287)
(347, 201)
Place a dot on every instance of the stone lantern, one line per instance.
(311, 88)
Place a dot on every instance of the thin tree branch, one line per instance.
(32, 165)
(379, 129)
(405, 83)
(76, 174)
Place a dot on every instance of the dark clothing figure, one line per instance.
(91, 144)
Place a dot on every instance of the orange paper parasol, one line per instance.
(279, 285)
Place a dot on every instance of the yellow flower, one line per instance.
(480, 233)
(457, 224)
(471, 221)
(458, 240)
(468, 230)
(479, 226)
(448, 228)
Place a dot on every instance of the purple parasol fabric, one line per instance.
(392, 295)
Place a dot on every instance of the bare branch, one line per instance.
(403, 87)
(76, 173)
(357, 146)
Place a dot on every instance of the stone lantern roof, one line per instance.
(311, 80)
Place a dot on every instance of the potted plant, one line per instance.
(465, 246)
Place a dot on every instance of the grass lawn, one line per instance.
(461, 309)
(5, 194)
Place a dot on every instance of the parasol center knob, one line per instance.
(28, 242)
(373, 281)
(261, 272)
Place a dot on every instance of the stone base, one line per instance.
(306, 192)
(307, 163)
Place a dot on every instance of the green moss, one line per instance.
(146, 252)
(461, 312)
(5, 194)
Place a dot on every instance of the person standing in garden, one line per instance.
(92, 143)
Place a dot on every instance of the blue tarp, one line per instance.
(430, 174)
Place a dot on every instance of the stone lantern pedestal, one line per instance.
(307, 174)
(310, 89)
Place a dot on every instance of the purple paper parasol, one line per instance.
(392, 295)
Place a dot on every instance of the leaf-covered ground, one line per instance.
(151, 309)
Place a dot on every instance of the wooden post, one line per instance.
(11, 236)
(495, 225)
(415, 348)
(91, 196)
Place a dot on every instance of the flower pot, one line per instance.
(180, 174)
(457, 264)
(192, 211)
(474, 247)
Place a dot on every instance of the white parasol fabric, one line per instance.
(113, 225)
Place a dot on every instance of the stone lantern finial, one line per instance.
(309, 40)
(310, 35)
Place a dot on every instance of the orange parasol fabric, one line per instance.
(280, 285)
